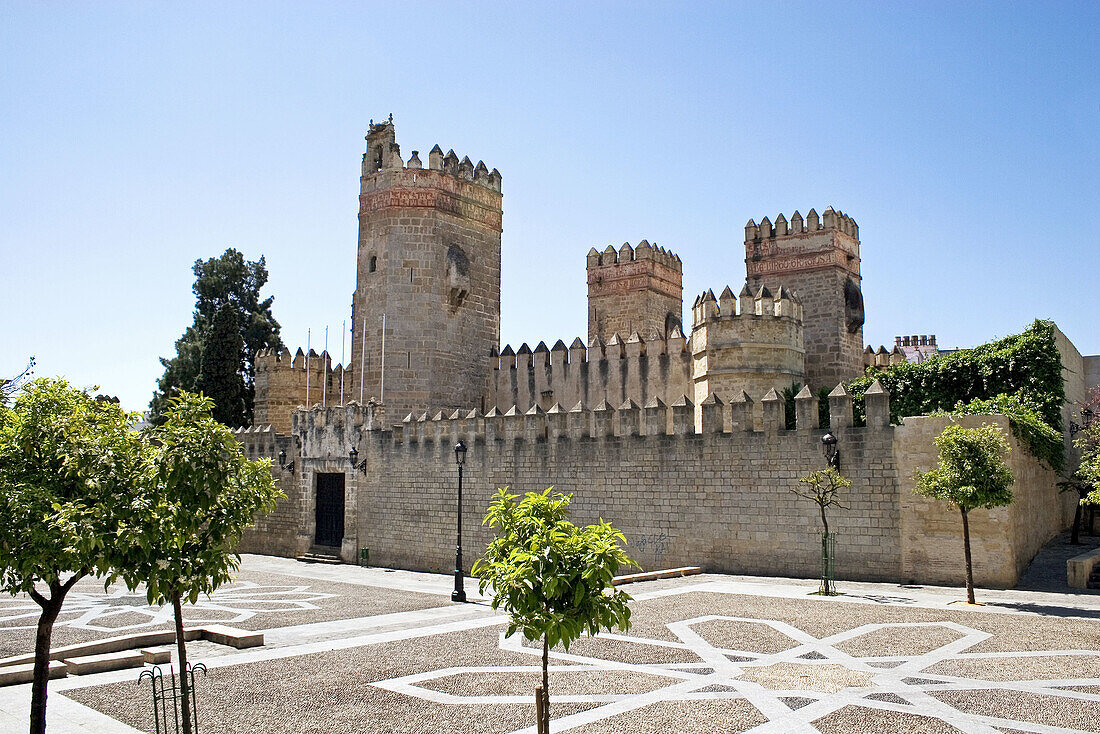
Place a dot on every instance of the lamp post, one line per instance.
(459, 594)
(832, 454)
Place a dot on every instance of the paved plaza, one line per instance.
(353, 649)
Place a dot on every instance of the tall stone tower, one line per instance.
(429, 262)
(634, 289)
(817, 259)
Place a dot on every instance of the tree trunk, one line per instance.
(181, 648)
(51, 607)
(969, 565)
(546, 684)
(1075, 536)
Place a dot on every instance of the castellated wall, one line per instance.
(634, 290)
(283, 383)
(755, 350)
(276, 532)
(631, 369)
(817, 259)
(702, 491)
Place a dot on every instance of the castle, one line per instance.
(675, 434)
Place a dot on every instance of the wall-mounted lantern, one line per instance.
(832, 453)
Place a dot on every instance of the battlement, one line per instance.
(750, 343)
(285, 381)
(656, 417)
(634, 289)
(783, 304)
(628, 254)
(616, 370)
(923, 340)
(830, 219)
(384, 154)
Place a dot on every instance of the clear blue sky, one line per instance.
(136, 138)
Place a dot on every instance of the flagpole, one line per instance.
(343, 342)
(308, 334)
(324, 372)
(382, 370)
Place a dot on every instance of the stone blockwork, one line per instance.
(634, 290)
(1003, 541)
(755, 350)
(276, 532)
(818, 259)
(283, 383)
(429, 263)
(631, 369)
(709, 491)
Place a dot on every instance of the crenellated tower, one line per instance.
(634, 290)
(429, 263)
(752, 343)
(818, 260)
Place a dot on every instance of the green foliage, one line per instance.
(551, 577)
(1027, 364)
(1026, 367)
(1088, 443)
(201, 493)
(823, 407)
(1042, 441)
(789, 394)
(226, 281)
(972, 472)
(788, 405)
(68, 465)
(220, 378)
(823, 487)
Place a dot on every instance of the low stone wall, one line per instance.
(1003, 541)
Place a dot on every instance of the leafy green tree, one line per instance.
(552, 578)
(971, 474)
(220, 378)
(823, 487)
(200, 495)
(231, 281)
(70, 466)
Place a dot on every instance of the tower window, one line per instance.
(373, 263)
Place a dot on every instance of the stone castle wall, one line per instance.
(283, 383)
(276, 532)
(689, 485)
(615, 372)
(634, 290)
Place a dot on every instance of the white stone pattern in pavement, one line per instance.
(120, 610)
(811, 669)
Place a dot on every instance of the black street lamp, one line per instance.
(1086, 421)
(832, 453)
(459, 594)
(282, 461)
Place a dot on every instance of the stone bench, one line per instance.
(102, 663)
(1080, 567)
(24, 673)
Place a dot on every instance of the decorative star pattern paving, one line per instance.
(799, 685)
(120, 610)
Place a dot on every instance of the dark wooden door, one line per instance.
(330, 509)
